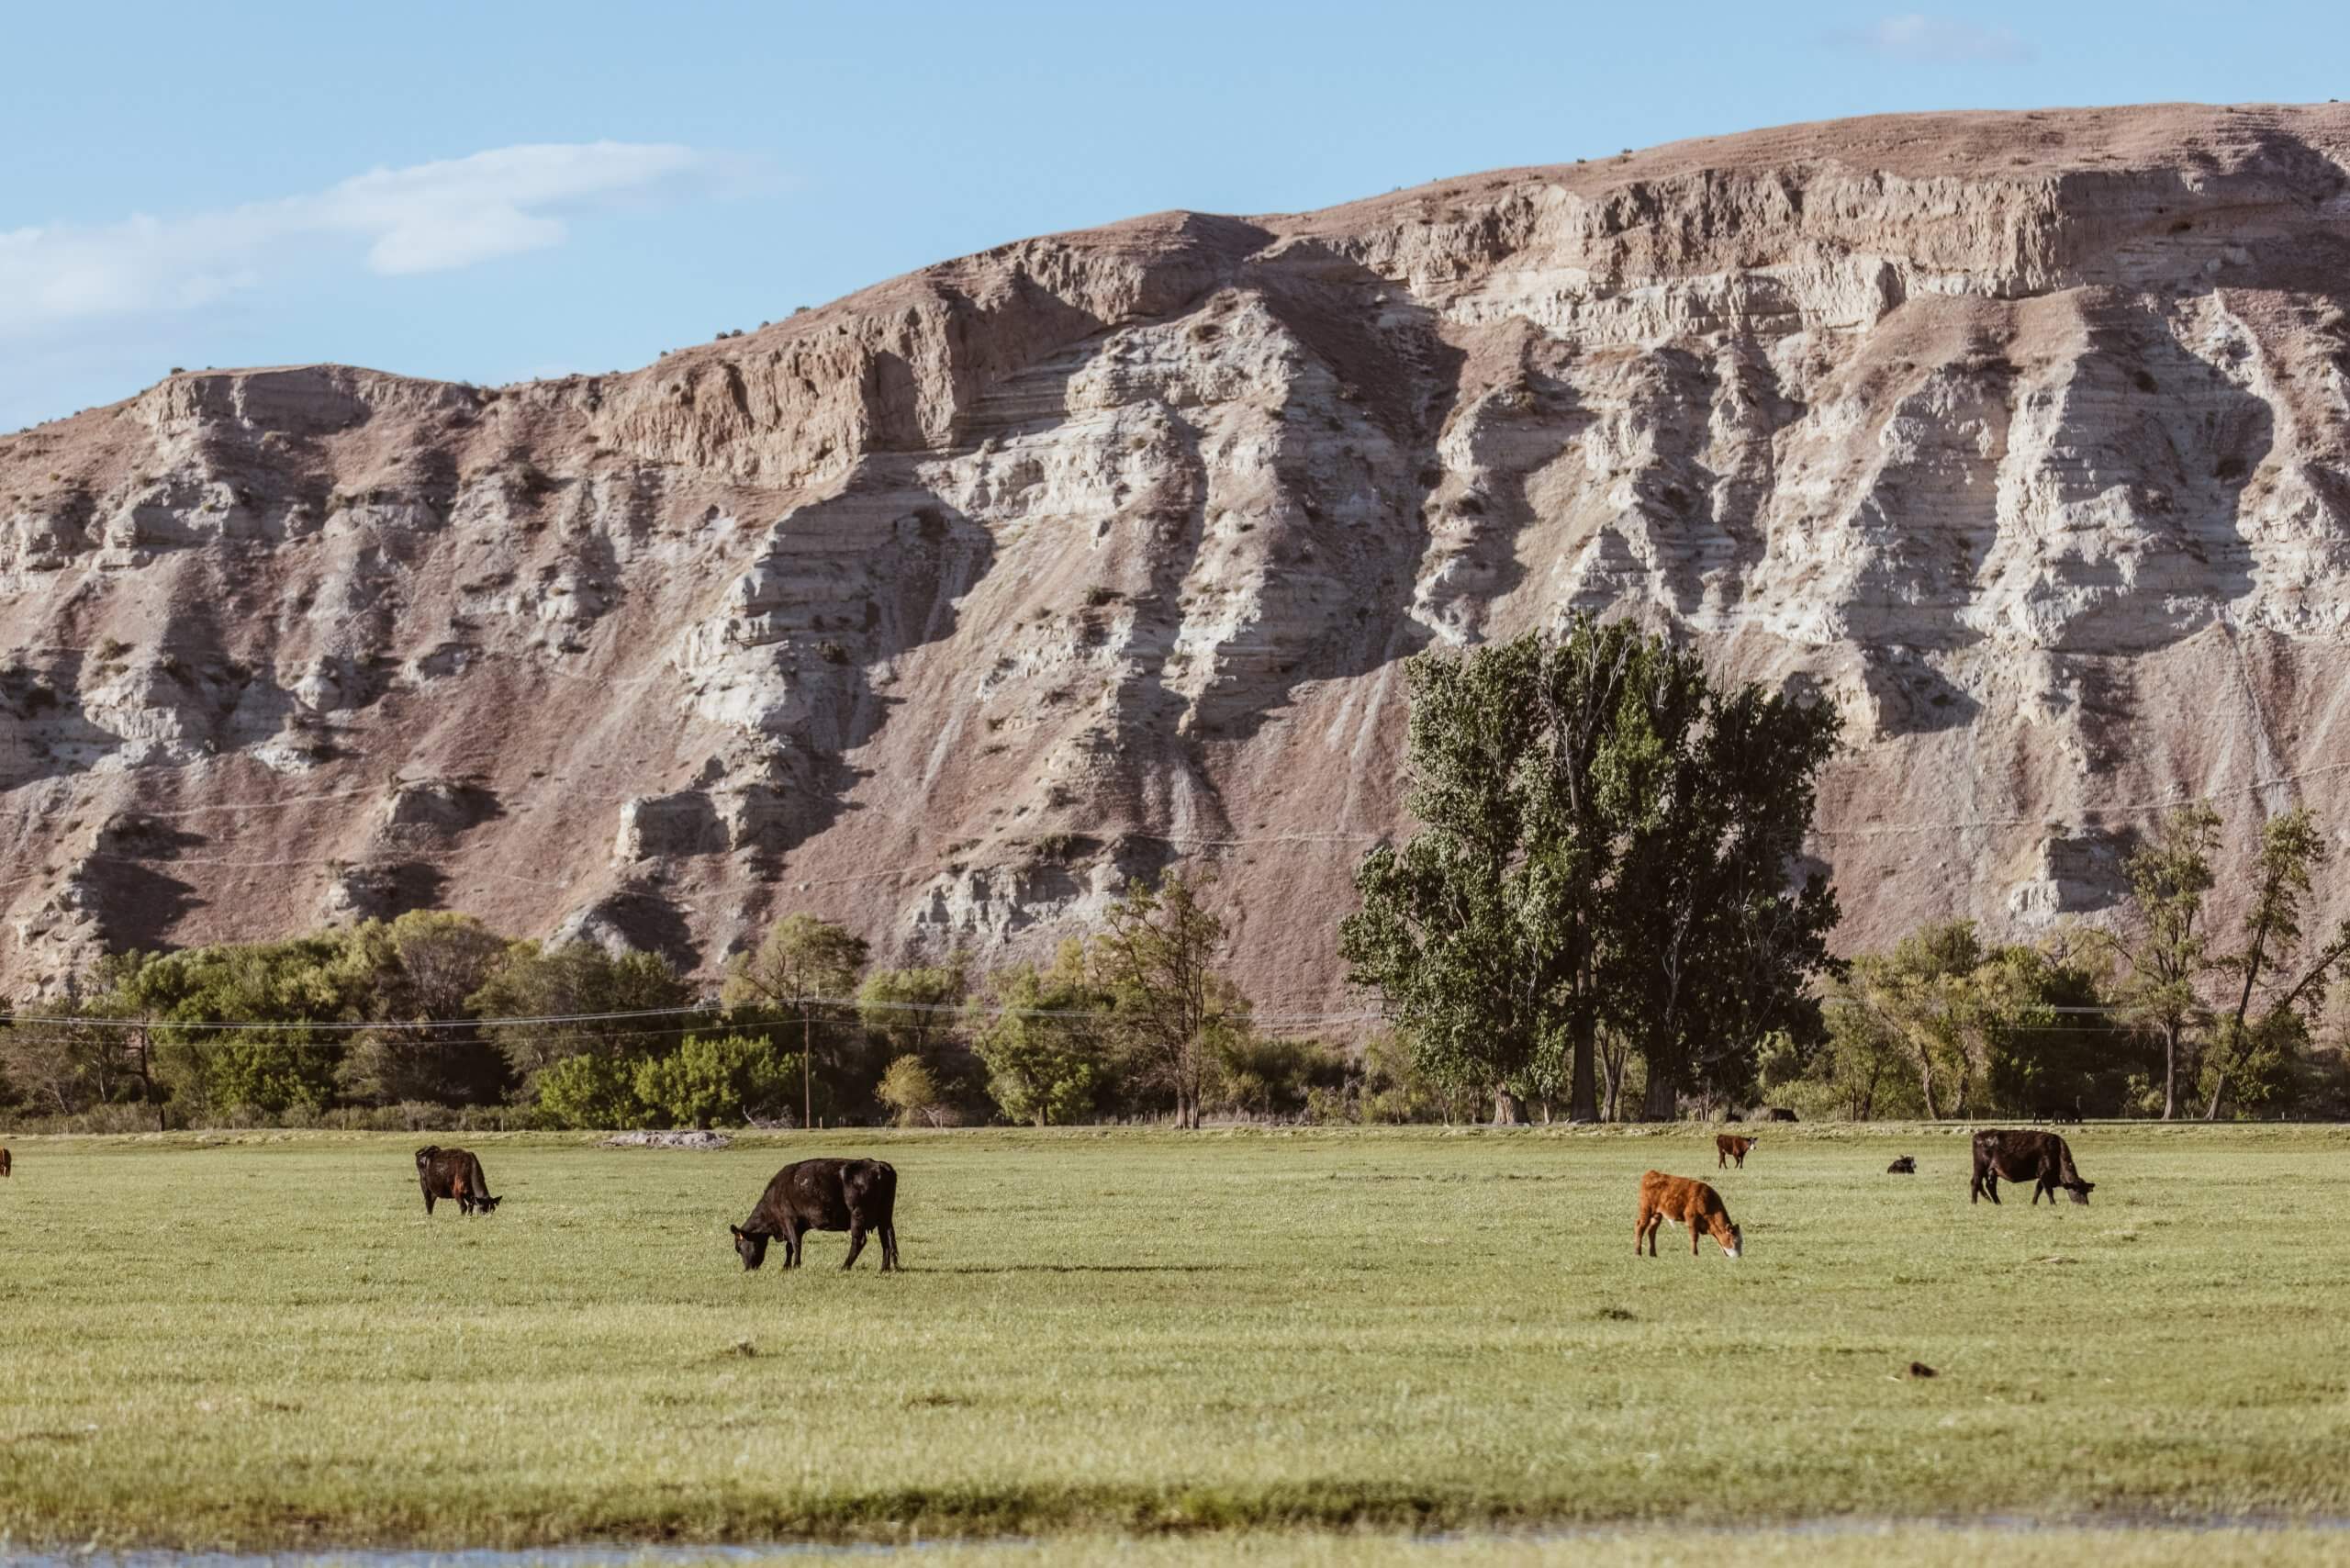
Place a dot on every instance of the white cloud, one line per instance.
(427, 218)
(1937, 39)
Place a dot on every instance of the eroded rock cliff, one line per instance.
(942, 608)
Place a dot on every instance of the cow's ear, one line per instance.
(737, 1230)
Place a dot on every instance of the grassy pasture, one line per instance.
(263, 1341)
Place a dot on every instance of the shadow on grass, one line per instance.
(1088, 1269)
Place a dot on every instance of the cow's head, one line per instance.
(1735, 1244)
(486, 1204)
(749, 1246)
(2080, 1191)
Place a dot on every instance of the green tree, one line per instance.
(1605, 838)
(2168, 955)
(564, 994)
(1712, 945)
(432, 965)
(1980, 1027)
(1476, 939)
(1265, 1075)
(915, 1010)
(804, 967)
(910, 1091)
(592, 1089)
(284, 1062)
(2292, 849)
(70, 1062)
(1157, 963)
(1038, 1031)
(1921, 995)
(711, 1079)
(1854, 1072)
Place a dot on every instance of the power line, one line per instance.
(262, 1026)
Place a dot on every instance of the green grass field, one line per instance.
(262, 1341)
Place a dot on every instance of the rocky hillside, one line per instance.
(942, 608)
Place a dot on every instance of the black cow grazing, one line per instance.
(7, 1164)
(1905, 1166)
(855, 1195)
(2041, 1159)
(452, 1173)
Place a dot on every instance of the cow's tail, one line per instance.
(479, 1182)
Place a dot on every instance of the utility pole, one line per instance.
(806, 1047)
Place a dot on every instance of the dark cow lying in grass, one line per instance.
(2041, 1158)
(452, 1173)
(855, 1195)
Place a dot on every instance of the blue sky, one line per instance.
(490, 191)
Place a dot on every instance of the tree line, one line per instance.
(434, 1019)
(2161, 1015)
(1606, 911)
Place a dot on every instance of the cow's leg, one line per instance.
(1991, 1186)
(792, 1235)
(855, 1242)
(428, 1203)
(1741, 1160)
(888, 1248)
(1696, 1230)
(1721, 1159)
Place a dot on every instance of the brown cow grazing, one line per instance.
(1905, 1166)
(2038, 1158)
(454, 1173)
(855, 1195)
(1727, 1149)
(1683, 1200)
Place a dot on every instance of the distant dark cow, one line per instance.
(1727, 1149)
(1905, 1166)
(2041, 1158)
(1776, 1114)
(855, 1195)
(452, 1173)
(8, 1165)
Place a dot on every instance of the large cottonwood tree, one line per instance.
(1606, 836)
